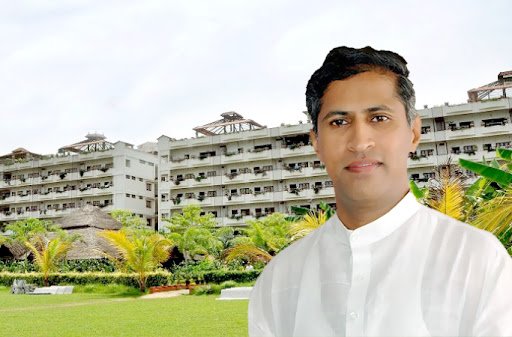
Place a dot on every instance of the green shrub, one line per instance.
(213, 289)
(220, 276)
(73, 278)
(89, 265)
(108, 289)
(17, 266)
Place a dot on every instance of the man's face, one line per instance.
(364, 138)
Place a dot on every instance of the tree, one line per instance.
(48, 253)
(24, 230)
(305, 220)
(127, 218)
(265, 238)
(194, 234)
(141, 250)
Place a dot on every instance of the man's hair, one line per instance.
(344, 62)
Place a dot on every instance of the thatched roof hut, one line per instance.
(88, 222)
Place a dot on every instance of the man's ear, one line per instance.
(313, 136)
(416, 133)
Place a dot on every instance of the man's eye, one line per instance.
(339, 122)
(380, 118)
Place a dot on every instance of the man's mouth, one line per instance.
(364, 166)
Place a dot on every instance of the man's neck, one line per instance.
(355, 214)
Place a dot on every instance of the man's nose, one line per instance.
(361, 138)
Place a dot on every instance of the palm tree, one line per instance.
(48, 253)
(310, 221)
(141, 250)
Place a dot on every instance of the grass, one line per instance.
(108, 314)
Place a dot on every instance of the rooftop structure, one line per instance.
(496, 89)
(93, 142)
(230, 122)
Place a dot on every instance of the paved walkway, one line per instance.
(165, 294)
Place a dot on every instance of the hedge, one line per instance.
(73, 278)
(219, 276)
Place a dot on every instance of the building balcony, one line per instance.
(303, 172)
(422, 161)
(461, 133)
(495, 129)
(427, 137)
(304, 150)
(297, 128)
(234, 221)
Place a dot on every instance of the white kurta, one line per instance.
(412, 272)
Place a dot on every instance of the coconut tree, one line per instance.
(495, 209)
(50, 252)
(264, 238)
(194, 234)
(141, 250)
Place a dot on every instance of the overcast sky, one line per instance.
(134, 70)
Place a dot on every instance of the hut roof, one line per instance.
(89, 216)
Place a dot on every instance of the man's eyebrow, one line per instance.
(335, 113)
(380, 107)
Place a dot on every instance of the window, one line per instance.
(246, 212)
(127, 163)
(142, 161)
(148, 187)
(328, 183)
(214, 213)
(245, 170)
(234, 212)
(240, 150)
(127, 176)
(268, 189)
(164, 178)
(425, 129)
(245, 190)
(211, 173)
(303, 186)
(127, 195)
(140, 197)
(133, 196)
(267, 168)
(133, 178)
(148, 203)
(96, 203)
(269, 210)
(212, 193)
(140, 179)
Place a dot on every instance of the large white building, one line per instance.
(239, 170)
(94, 171)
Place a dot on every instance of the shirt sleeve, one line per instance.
(494, 313)
(260, 306)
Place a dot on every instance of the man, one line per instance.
(384, 265)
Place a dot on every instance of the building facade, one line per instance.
(92, 172)
(246, 174)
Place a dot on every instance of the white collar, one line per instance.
(379, 228)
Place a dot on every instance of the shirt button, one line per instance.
(353, 315)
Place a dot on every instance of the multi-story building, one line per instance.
(239, 175)
(94, 171)
(239, 170)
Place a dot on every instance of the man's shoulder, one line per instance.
(449, 228)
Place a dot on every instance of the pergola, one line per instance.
(94, 142)
(231, 122)
(495, 89)
(21, 153)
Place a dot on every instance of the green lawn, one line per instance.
(83, 315)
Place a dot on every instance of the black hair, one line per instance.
(344, 62)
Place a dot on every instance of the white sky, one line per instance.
(134, 70)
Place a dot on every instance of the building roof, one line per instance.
(93, 142)
(21, 153)
(231, 122)
(497, 89)
(88, 216)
